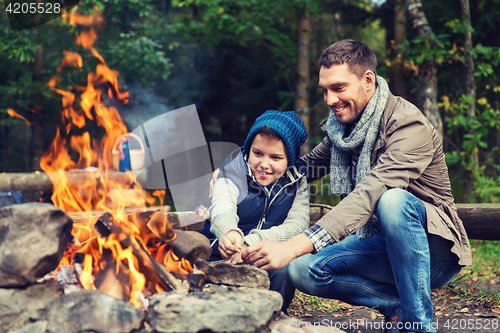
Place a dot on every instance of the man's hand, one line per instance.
(214, 179)
(271, 255)
(226, 248)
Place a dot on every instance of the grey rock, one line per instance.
(92, 311)
(23, 307)
(217, 308)
(33, 237)
(221, 272)
(36, 327)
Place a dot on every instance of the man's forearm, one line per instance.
(300, 245)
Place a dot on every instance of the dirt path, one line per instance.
(460, 311)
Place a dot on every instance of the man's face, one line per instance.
(345, 93)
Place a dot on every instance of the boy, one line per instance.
(261, 193)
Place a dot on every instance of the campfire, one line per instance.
(124, 255)
(120, 244)
(128, 256)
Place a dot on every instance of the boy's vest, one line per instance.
(262, 207)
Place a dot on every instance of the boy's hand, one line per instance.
(234, 259)
(226, 248)
(214, 179)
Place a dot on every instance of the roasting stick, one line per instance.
(203, 212)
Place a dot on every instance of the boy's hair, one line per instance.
(358, 57)
(266, 131)
(287, 126)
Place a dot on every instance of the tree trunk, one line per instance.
(427, 70)
(398, 87)
(37, 129)
(469, 88)
(469, 60)
(302, 82)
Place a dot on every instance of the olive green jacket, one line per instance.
(408, 154)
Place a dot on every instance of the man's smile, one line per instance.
(339, 108)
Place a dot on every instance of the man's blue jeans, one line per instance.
(392, 271)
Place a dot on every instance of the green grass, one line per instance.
(479, 283)
(486, 262)
(306, 302)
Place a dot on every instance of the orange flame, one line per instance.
(91, 190)
(70, 59)
(14, 114)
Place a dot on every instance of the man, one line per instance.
(396, 233)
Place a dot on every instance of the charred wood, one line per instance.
(152, 268)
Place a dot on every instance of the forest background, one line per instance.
(236, 59)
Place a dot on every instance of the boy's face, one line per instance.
(345, 93)
(267, 159)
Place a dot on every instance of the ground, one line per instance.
(461, 307)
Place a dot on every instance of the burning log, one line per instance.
(190, 245)
(159, 225)
(153, 269)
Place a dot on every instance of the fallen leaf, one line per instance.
(438, 313)
(373, 316)
(465, 310)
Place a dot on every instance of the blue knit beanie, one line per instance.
(289, 128)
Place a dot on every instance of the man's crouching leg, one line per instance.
(354, 271)
(403, 219)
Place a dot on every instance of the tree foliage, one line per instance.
(236, 59)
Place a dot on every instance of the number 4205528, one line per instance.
(33, 8)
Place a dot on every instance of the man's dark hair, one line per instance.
(356, 55)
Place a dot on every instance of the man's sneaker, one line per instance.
(391, 323)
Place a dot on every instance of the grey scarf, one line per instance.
(363, 135)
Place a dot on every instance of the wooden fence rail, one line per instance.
(482, 221)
